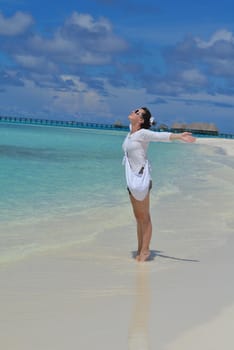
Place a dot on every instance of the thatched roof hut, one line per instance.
(118, 124)
(162, 127)
(204, 128)
(213, 127)
(179, 127)
(198, 127)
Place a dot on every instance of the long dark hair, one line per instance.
(147, 119)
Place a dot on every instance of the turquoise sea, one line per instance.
(61, 186)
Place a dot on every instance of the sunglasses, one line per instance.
(137, 111)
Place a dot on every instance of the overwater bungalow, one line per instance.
(198, 128)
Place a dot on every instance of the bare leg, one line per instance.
(144, 226)
(139, 239)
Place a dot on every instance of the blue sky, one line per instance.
(96, 60)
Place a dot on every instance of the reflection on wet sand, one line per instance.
(138, 338)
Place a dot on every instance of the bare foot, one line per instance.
(137, 255)
(143, 256)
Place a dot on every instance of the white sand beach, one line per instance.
(96, 296)
(225, 144)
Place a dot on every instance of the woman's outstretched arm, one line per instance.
(184, 136)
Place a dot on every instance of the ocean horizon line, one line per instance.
(105, 126)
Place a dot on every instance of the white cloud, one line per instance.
(218, 53)
(46, 102)
(87, 22)
(51, 73)
(221, 35)
(15, 25)
(223, 67)
(80, 40)
(57, 45)
(35, 63)
(197, 64)
(193, 76)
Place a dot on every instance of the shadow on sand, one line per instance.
(157, 253)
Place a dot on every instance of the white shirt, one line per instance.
(136, 144)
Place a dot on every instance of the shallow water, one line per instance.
(63, 186)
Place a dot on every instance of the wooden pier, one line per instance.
(64, 123)
(117, 126)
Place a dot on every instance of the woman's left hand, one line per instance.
(187, 137)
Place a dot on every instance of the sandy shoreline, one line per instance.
(95, 296)
(226, 144)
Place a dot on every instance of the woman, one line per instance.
(135, 147)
